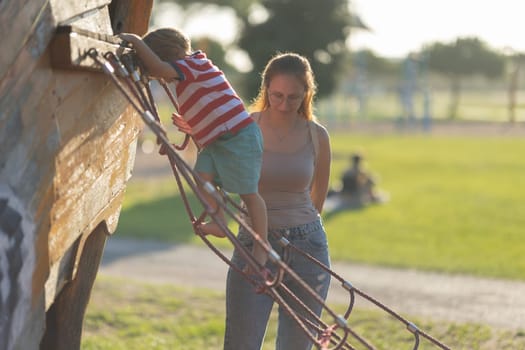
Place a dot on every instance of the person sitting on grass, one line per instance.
(357, 185)
(357, 182)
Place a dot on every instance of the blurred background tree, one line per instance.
(302, 26)
(377, 66)
(451, 80)
(217, 53)
(214, 49)
(460, 59)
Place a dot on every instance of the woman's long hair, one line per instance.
(291, 64)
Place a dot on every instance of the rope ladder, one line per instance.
(124, 73)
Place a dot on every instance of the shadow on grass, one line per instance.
(162, 219)
(336, 205)
(156, 225)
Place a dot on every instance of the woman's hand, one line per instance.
(260, 255)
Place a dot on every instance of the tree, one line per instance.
(462, 58)
(214, 50)
(216, 53)
(241, 7)
(315, 29)
(378, 66)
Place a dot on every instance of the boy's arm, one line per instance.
(154, 65)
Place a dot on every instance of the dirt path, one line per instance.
(498, 303)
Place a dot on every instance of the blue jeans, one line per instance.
(247, 312)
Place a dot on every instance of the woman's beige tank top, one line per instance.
(285, 186)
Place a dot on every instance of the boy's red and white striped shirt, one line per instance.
(206, 99)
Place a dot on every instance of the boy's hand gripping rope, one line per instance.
(263, 280)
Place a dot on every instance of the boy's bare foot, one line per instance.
(211, 228)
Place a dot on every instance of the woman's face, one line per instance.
(285, 93)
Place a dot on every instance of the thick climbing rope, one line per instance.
(136, 90)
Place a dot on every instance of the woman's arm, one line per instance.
(154, 65)
(322, 169)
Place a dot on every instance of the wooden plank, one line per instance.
(69, 48)
(52, 121)
(64, 319)
(97, 21)
(19, 22)
(16, 16)
(20, 85)
(83, 32)
(30, 20)
(66, 12)
(87, 180)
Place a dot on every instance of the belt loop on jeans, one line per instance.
(298, 232)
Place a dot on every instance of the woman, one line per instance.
(294, 184)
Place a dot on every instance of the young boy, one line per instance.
(230, 141)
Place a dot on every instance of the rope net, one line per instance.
(335, 334)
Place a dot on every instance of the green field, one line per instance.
(456, 205)
(125, 315)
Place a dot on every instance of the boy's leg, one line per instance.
(212, 228)
(257, 211)
(235, 160)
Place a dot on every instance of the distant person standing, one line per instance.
(408, 88)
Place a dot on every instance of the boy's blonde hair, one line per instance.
(168, 43)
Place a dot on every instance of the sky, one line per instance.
(398, 27)
(401, 26)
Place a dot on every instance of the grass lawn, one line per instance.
(456, 205)
(124, 315)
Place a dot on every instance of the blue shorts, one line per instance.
(234, 160)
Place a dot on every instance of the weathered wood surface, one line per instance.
(35, 20)
(64, 317)
(70, 48)
(66, 12)
(67, 141)
(20, 23)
